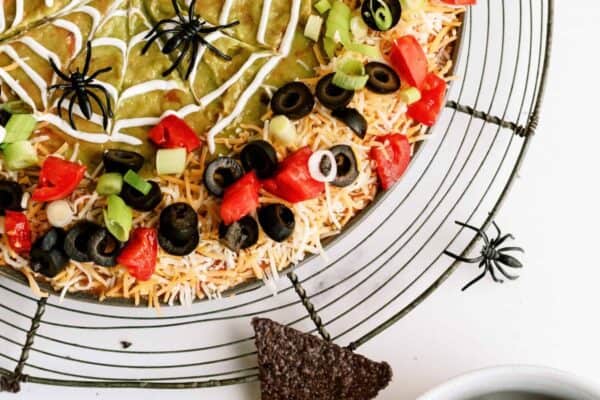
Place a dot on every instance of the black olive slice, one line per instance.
(277, 221)
(76, 241)
(4, 117)
(136, 200)
(11, 195)
(382, 78)
(239, 235)
(104, 248)
(122, 161)
(347, 167)
(48, 263)
(221, 173)
(261, 157)
(178, 222)
(293, 100)
(53, 238)
(371, 9)
(332, 96)
(47, 256)
(353, 119)
(179, 249)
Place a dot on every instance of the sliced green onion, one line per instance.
(358, 28)
(330, 47)
(137, 182)
(171, 161)
(2, 134)
(322, 6)
(20, 155)
(312, 30)
(383, 17)
(19, 127)
(352, 66)
(283, 130)
(110, 183)
(338, 23)
(118, 218)
(410, 95)
(350, 75)
(365, 50)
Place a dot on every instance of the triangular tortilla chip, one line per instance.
(299, 366)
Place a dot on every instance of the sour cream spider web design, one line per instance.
(118, 32)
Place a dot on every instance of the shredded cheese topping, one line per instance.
(213, 268)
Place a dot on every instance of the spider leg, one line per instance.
(178, 61)
(219, 27)
(214, 49)
(192, 8)
(503, 239)
(71, 105)
(464, 259)
(474, 281)
(150, 42)
(503, 272)
(88, 58)
(499, 232)
(58, 71)
(105, 112)
(156, 27)
(107, 97)
(174, 41)
(60, 102)
(490, 267)
(59, 86)
(193, 60)
(177, 10)
(84, 103)
(504, 249)
(481, 233)
(99, 72)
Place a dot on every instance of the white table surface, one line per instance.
(550, 316)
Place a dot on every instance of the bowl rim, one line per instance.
(535, 379)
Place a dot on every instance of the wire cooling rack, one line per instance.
(372, 278)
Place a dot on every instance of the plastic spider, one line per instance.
(76, 87)
(492, 258)
(187, 35)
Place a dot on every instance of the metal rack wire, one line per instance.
(373, 278)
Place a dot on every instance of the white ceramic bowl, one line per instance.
(528, 379)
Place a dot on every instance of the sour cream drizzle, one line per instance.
(35, 77)
(264, 21)
(71, 27)
(284, 51)
(225, 12)
(19, 11)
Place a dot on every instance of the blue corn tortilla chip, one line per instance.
(299, 366)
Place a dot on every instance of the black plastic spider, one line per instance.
(187, 35)
(491, 256)
(76, 87)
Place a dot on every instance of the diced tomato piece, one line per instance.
(18, 231)
(409, 60)
(293, 182)
(240, 199)
(58, 179)
(173, 132)
(460, 2)
(391, 159)
(433, 93)
(139, 255)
